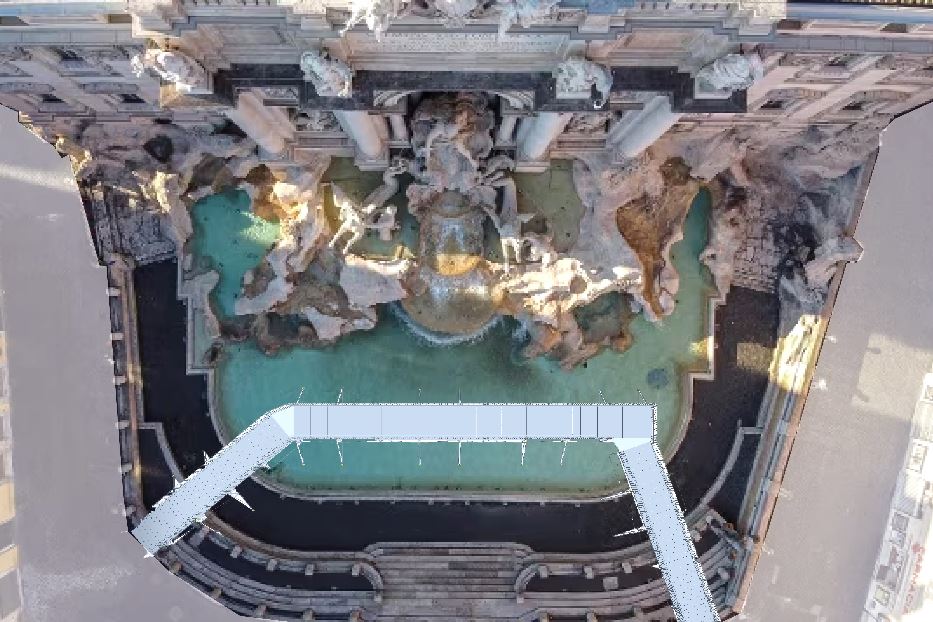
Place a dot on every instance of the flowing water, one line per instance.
(391, 364)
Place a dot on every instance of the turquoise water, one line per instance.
(232, 240)
(388, 364)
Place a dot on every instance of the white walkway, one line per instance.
(78, 562)
(631, 428)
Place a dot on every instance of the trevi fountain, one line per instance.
(512, 201)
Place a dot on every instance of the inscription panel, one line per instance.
(476, 42)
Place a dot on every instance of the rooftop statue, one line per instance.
(376, 14)
(576, 78)
(173, 66)
(523, 12)
(455, 12)
(733, 72)
(331, 77)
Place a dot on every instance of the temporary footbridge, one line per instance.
(631, 428)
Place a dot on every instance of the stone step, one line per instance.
(412, 583)
(411, 579)
(444, 570)
(460, 559)
(406, 598)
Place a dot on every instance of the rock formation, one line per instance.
(728, 225)
(479, 257)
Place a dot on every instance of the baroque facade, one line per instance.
(777, 109)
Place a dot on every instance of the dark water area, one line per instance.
(746, 334)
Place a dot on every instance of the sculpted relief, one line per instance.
(578, 77)
(175, 67)
(733, 72)
(331, 77)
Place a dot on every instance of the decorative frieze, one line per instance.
(455, 43)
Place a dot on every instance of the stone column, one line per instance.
(535, 134)
(251, 117)
(363, 129)
(652, 123)
(399, 129)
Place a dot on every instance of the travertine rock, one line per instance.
(165, 191)
(198, 289)
(331, 327)
(367, 282)
(728, 227)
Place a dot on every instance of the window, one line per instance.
(855, 106)
(773, 104)
(129, 98)
(895, 28)
(48, 98)
(843, 60)
(790, 24)
(6, 20)
(67, 55)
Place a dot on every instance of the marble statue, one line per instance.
(508, 222)
(455, 12)
(577, 76)
(381, 195)
(523, 12)
(376, 14)
(373, 213)
(331, 77)
(451, 135)
(173, 66)
(732, 72)
(351, 221)
(455, 132)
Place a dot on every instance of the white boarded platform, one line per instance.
(631, 428)
(466, 422)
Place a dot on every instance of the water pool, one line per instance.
(388, 364)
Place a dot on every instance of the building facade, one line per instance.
(778, 107)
